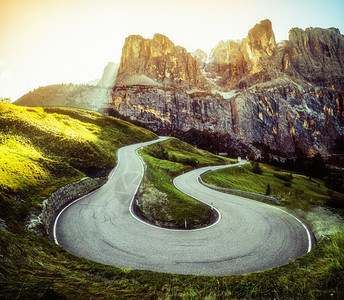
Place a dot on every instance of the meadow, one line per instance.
(42, 149)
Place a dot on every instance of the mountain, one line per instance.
(68, 95)
(313, 55)
(246, 97)
(241, 64)
(259, 94)
(316, 55)
(93, 96)
(159, 62)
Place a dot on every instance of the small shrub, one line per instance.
(256, 168)
(268, 190)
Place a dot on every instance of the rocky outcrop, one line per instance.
(313, 55)
(145, 61)
(243, 63)
(226, 63)
(317, 55)
(283, 118)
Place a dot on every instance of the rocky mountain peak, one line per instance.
(233, 63)
(162, 45)
(201, 56)
(159, 61)
(260, 40)
(317, 54)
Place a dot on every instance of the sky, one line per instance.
(61, 41)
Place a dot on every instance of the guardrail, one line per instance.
(236, 192)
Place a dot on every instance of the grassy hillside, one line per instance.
(44, 149)
(292, 189)
(159, 201)
(34, 268)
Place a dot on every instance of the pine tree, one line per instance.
(268, 189)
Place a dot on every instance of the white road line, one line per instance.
(158, 227)
(304, 226)
(162, 228)
(61, 212)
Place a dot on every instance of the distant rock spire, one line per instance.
(159, 61)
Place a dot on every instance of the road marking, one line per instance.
(155, 226)
(304, 226)
(158, 227)
(62, 210)
(302, 223)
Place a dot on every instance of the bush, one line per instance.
(268, 190)
(256, 168)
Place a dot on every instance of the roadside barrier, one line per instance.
(67, 194)
(236, 192)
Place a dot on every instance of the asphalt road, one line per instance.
(249, 236)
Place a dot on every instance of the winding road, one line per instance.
(249, 236)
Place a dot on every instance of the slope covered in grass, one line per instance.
(43, 149)
(159, 201)
(32, 267)
(292, 189)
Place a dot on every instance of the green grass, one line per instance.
(160, 202)
(32, 267)
(44, 149)
(299, 192)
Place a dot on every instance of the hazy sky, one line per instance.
(60, 41)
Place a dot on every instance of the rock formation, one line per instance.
(282, 118)
(284, 96)
(202, 58)
(244, 96)
(145, 61)
(313, 55)
(241, 64)
(317, 55)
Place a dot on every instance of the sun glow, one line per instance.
(46, 42)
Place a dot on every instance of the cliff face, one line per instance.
(283, 118)
(317, 55)
(284, 96)
(158, 61)
(241, 64)
(168, 108)
(313, 55)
